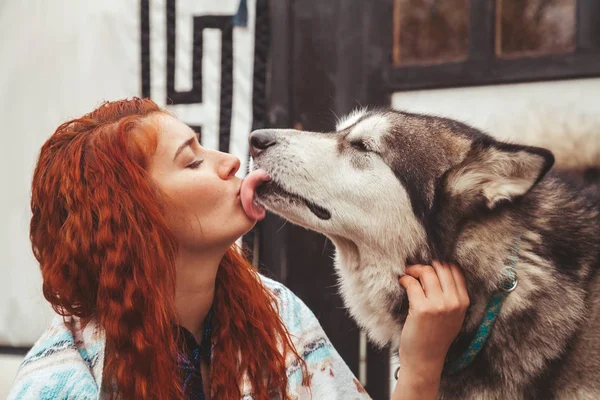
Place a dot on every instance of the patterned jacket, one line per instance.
(67, 362)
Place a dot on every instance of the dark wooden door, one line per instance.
(316, 70)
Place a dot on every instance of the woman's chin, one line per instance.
(245, 227)
(250, 223)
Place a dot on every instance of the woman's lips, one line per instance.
(248, 192)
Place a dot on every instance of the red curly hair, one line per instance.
(106, 252)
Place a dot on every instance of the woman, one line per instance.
(134, 225)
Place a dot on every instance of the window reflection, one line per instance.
(430, 31)
(534, 27)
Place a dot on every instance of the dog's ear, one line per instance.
(495, 172)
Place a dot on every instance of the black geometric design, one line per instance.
(262, 43)
(193, 96)
(198, 130)
(145, 46)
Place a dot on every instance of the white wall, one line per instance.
(61, 59)
(561, 115)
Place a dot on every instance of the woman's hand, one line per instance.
(438, 301)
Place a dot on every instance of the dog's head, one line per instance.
(391, 179)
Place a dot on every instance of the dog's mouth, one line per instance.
(258, 186)
(270, 188)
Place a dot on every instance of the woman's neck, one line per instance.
(195, 289)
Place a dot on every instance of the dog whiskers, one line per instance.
(281, 227)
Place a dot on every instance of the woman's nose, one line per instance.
(229, 166)
(261, 140)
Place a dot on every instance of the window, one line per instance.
(445, 43)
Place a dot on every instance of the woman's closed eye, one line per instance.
(194, 164)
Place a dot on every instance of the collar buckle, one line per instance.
(510, 281)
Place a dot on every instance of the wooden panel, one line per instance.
(588, 25)
(486, 72)
(314, 90)
(272, 232)
(14, 351)
(481, 29)
(379, 51)
(318, 69)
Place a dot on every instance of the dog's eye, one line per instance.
(359, 145)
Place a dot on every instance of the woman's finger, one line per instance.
(428, 278)
(413, 289)
(461, 285)
(446, 278)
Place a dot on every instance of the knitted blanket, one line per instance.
(67, 362)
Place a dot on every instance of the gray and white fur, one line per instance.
(391, 188)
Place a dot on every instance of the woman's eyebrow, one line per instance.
(184, 145)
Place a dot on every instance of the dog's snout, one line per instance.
(261, 140)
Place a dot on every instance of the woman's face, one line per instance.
(203, 186)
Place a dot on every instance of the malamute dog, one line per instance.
(392, 188)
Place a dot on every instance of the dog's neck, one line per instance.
(539, 293)
(459, 359)
(355, 255)
(370, 288)
(512, 351)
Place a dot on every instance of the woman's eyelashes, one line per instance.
(194, 164)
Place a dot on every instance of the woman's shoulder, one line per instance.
(330, 376)
(294, 313)
(63, 363)
(307, 334)
(280, 291)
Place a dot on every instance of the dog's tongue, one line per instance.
(248, 191)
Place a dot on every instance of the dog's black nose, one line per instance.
(261, 140)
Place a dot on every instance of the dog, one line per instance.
(392, 188)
